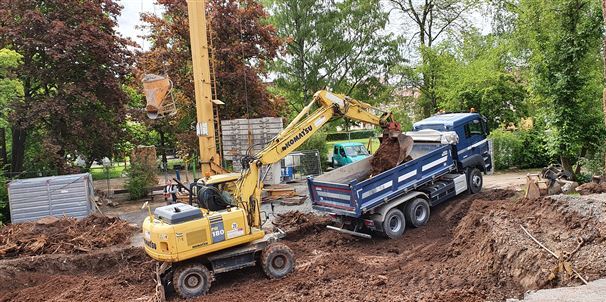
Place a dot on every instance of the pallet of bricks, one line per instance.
(241, 134)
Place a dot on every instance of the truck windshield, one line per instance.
(355, 150)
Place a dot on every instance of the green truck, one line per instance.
(347, 153)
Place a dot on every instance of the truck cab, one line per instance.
(347, 153)
(472, 148)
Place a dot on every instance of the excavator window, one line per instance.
(213, 198)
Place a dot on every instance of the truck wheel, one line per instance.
(277, 260)
(417, 212)
(394, 224)
(191, 280)
(474, 180)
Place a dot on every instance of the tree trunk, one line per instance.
(163, 151)
(18, 150)
(567, 166)
(577, 171)
(3, 156)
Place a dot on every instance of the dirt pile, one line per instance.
(386, 156)
(63, 236)
(473, 249)
(109, 275)
(296, 222)
(591, 188)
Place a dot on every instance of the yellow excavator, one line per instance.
(221, 229)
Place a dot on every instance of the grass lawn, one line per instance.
(99, 173)
(374, 145)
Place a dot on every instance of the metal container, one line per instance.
(67, 195)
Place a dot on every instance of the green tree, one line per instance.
(478, 73)
(11, 89)
(563, 39)
(340, 45)
(431, 20)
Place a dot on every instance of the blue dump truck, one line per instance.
(449, 155)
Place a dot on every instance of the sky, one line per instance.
(128, 21)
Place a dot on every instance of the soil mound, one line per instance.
(299, 223)
(591, 188)
(110, 275)
(52, 235)
(472, 249)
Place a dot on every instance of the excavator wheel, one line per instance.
(277, 260)
(191, 280)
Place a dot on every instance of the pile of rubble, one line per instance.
(53, 235)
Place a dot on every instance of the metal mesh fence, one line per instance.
(300, 164)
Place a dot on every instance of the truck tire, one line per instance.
(191, 280)
(277, 260)
(417, 212)
(474, 180)
(394, 224)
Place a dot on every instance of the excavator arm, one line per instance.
(303, 126)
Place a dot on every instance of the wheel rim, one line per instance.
(279, 262)
(420, 213)
(476, 180)
(192, 281)
(394, 224)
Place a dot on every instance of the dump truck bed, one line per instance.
(351, 192)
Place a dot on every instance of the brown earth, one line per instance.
(52, 235)
(108, 275)
(473, 249)
(386, 156)
(591, 188)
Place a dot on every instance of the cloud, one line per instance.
(130, 19)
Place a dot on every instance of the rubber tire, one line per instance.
(474, 172)
(411, 212)
(394, 213)
(182, 272)
(277, 252)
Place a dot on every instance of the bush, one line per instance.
(317, 142)
(594, 163)
(520, 149)
(505, 146)
(341, 136)
(4, 209)
(140, 179)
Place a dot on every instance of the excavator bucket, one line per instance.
(535, 186)
(155, 88)
(405, 143)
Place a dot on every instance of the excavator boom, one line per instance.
(303, 126)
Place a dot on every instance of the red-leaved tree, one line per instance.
(73, 65)
(242, 43)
